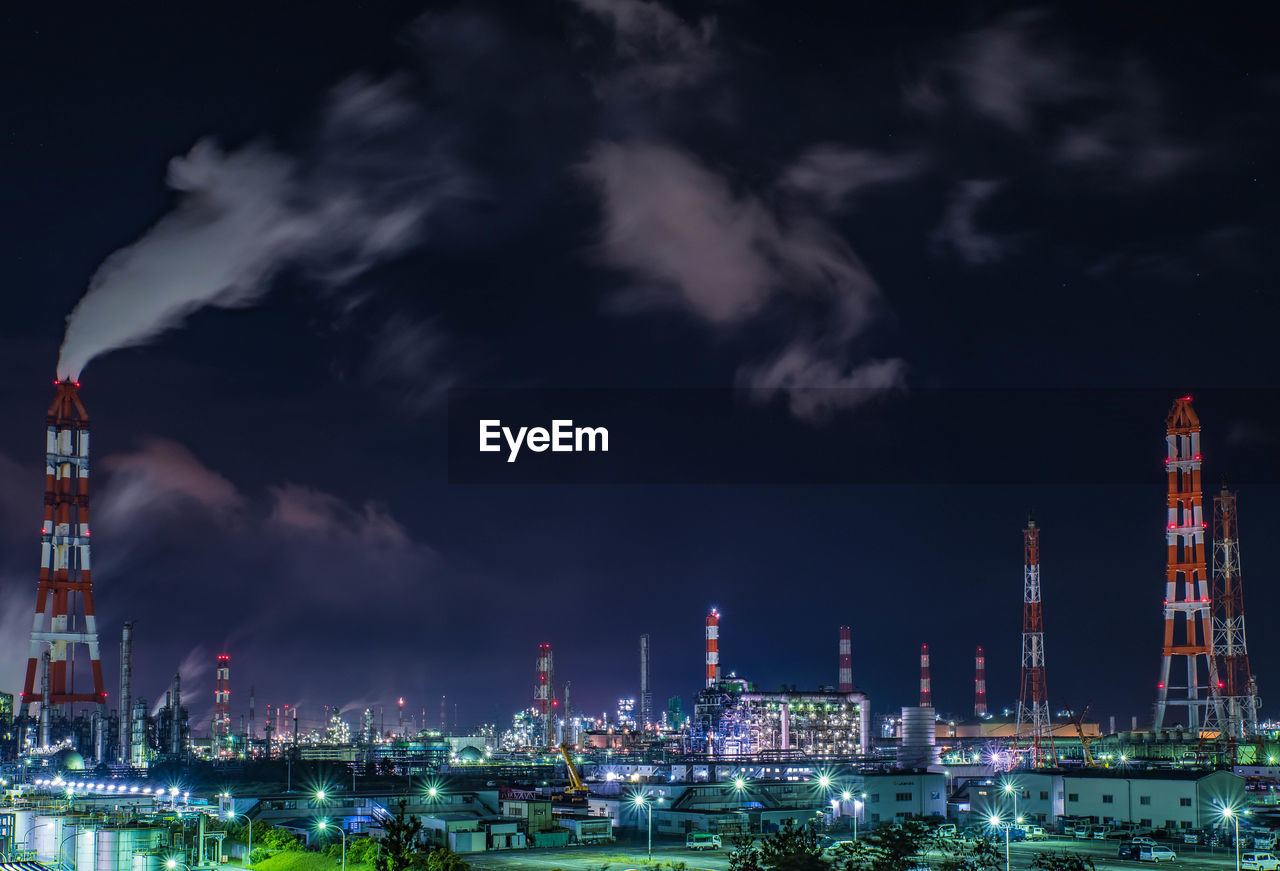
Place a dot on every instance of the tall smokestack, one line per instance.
(980, 685)
(248, 738)
(126, 691)
(222, 704)
(65, 576)
(646, 695)
(544, 692)
(846, 659)
(713, 648)
(926, 692)
(175, 728)
(444, 717)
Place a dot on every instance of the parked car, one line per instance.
(1156, 854)
(702, 841)
(835, 848)
(1259, 862)
(1143, 841)
(1127, 850)
(1191, 837)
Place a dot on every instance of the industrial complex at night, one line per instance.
(639, 435)
(135, 783)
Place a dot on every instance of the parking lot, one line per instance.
(627, 855)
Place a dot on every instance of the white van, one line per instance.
(1259, 862)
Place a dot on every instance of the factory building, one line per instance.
(1150, 799)
(899, 795)
(734, 719)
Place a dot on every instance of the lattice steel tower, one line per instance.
(1187, 626)
(1034, 726)
(1239, 696)
(64, 586)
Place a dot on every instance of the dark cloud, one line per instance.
(412, 362)
(1005, 71)
(695, 244)
(657, 50)
(959, 233)
(834, 173)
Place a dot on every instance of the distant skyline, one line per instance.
(288, 234)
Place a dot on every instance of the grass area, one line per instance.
(625, 860)
(300, 861)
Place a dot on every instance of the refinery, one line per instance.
(135, 785)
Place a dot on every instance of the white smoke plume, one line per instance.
(377, 172)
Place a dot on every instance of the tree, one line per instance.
(980, 855)
(444, 859)
(793, 848)
(890, 848)
(1063, 861)
(399, 846)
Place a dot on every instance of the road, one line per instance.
(624, 856)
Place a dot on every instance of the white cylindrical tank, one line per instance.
(916, 749)
(23, 820)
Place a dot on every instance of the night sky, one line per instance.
(375, 203)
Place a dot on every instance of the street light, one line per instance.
(174, 863)
(1230, 814)
(996, 822)
(30, 841)
(73, 849)
(323, 825)
(248, 857)
(646, 801)
(1010, 790)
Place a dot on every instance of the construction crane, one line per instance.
(1084, 741)
(576, 792)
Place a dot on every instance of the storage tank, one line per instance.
(107, 848)
(148, 860)
(23, 820)
(916, 749)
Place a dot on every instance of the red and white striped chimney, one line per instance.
(713, 648)
(926, 694)
(980, 685)
(846, 659)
